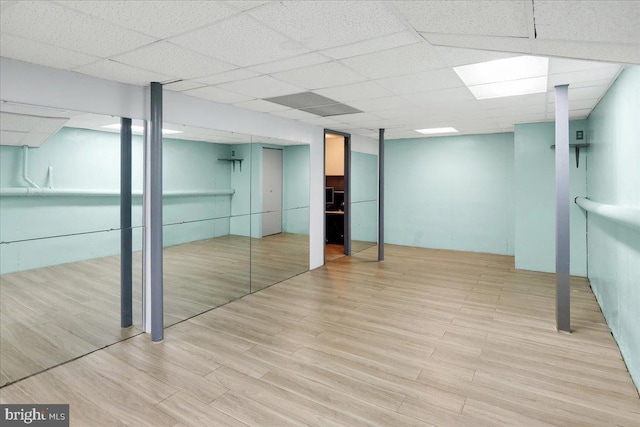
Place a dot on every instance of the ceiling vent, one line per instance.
(314, 104)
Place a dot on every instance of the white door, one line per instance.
(271, 191)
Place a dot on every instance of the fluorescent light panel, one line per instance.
(433, 131)
(140, 129)
(521, 75)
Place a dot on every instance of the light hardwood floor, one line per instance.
(428, 337)
(54, 314)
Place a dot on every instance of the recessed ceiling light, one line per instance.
(433, 131)
(140, 129)
(505, 77)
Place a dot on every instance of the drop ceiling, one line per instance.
(22, 124)
(392, 60)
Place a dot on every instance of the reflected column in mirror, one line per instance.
(60, 237)
(364, 201)
(280, 211)
(206, 217)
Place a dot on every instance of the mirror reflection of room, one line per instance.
(334, 196)
(60, 237)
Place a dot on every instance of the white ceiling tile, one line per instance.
(261, 106)
(519, 119)
(241, 41)
(18, 122)
(513, 101)
(589, 92)
(440, 98)
(399, 61)
(217, 95)
(261, 87)
(354, 118)
(517, 110)
(160, 19)
(53, 24)
(575, 104)
(595, 74)
(320, 76)
(493, 43)
(579, 84)
(12, 107)
(182, 85)
(378, 124)
(596, 21)
(380, 104)
(39, 53)
(470, 125)
(174, 60)
(229, 76)
(111, 70)
(444, 78)
(579, 114)
(35, 139)
(486, 18)
(373, 45)
(245, 5)
(564, 65)
(322, 25)
(291, 63)
(354, 92)
(401, 114)
(454, 56)
(294, 114)
(320, 121)
(9, 137)
(623, 53)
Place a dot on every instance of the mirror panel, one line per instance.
(364, 201)
(206, 207)
(60, 237)
(280, 211)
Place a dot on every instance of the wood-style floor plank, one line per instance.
(429, 337)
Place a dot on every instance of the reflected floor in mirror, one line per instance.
(334, 251)
(54, 314)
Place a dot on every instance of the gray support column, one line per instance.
(155, 224)
(126, 241)
(347, 195)
(381, 195)
(563, 311)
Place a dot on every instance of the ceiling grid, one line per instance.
(393, 61)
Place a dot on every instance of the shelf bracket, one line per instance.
(233, 162)
(577, 148)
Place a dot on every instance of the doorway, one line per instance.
(337, 149)
(271, 191)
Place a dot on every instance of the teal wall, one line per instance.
(194, 165)
(535, 199)
(613, 177)
(451, 192)
(85, 159)
(364, 197)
